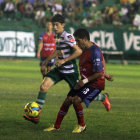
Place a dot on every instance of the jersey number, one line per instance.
(85, 91)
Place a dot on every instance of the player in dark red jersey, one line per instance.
(46, 47)
(92, 82)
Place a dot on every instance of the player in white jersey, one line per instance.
(66, 68)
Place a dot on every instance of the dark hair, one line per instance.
(82, 33)
(58, 18)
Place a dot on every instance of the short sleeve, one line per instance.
(96, 56)
(41, 36)
(70, 40)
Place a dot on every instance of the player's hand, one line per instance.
(38, 55)
(79, 85)
(108, 77)
(59, 62)
(48, 68)
(60, 52)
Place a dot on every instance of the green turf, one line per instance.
(19, 84)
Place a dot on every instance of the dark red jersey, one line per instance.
(48, 44)
(91, 61)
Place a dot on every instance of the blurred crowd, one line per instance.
(76, 12)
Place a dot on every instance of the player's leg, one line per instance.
(72, 80)
(61, 114)
(50, 79)
(43, 72)
(79, 113)
(105, 100)
(45, 85)
(86, 95)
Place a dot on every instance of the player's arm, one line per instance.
(107, 76)
(40, 46)
(77, 52)
(55, 54)
(91, 78)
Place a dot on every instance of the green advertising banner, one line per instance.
(116, 40)
(124, 42)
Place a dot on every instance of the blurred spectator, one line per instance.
(40, 17)
(98, 19)
(84, 12)
(1, 12)
(86, 3)
(108, 11)
(29, 10)
(124, 14)
(21, 10)
(48, 12)
(116, 20)
(57, 8)
(136, 21)
(9, 10)
(31, 1)
(94, 3)
(37, 4)
(87, 22)
(78, 7)
(123, 1)
(105, 14)
(68, 12)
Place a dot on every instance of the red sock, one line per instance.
(79, 113)
(62, 112)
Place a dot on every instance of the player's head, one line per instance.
(49, 25)
(58, 23)
(82, 34)
(82, 38)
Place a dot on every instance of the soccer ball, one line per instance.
(32, 109)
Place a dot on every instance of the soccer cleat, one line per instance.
(33, 120)
(52, 128)
(106, 102)
(79, 129)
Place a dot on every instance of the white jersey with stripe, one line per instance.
(65, 43)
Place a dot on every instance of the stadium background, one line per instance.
(103, 18)
(20, 78)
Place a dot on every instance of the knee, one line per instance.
(76, 100)
(68, 100)
(44, 87)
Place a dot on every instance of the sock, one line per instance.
(100, 97)
(79, 112)
(62, 112)
(41, 99)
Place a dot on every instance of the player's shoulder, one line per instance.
(43, 33)
(95, 49)
(68, 37)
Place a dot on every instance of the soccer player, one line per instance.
(66, 69)
(87, 89)
(46, 47)
(65, 53)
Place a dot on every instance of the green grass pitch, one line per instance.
(19, 84)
